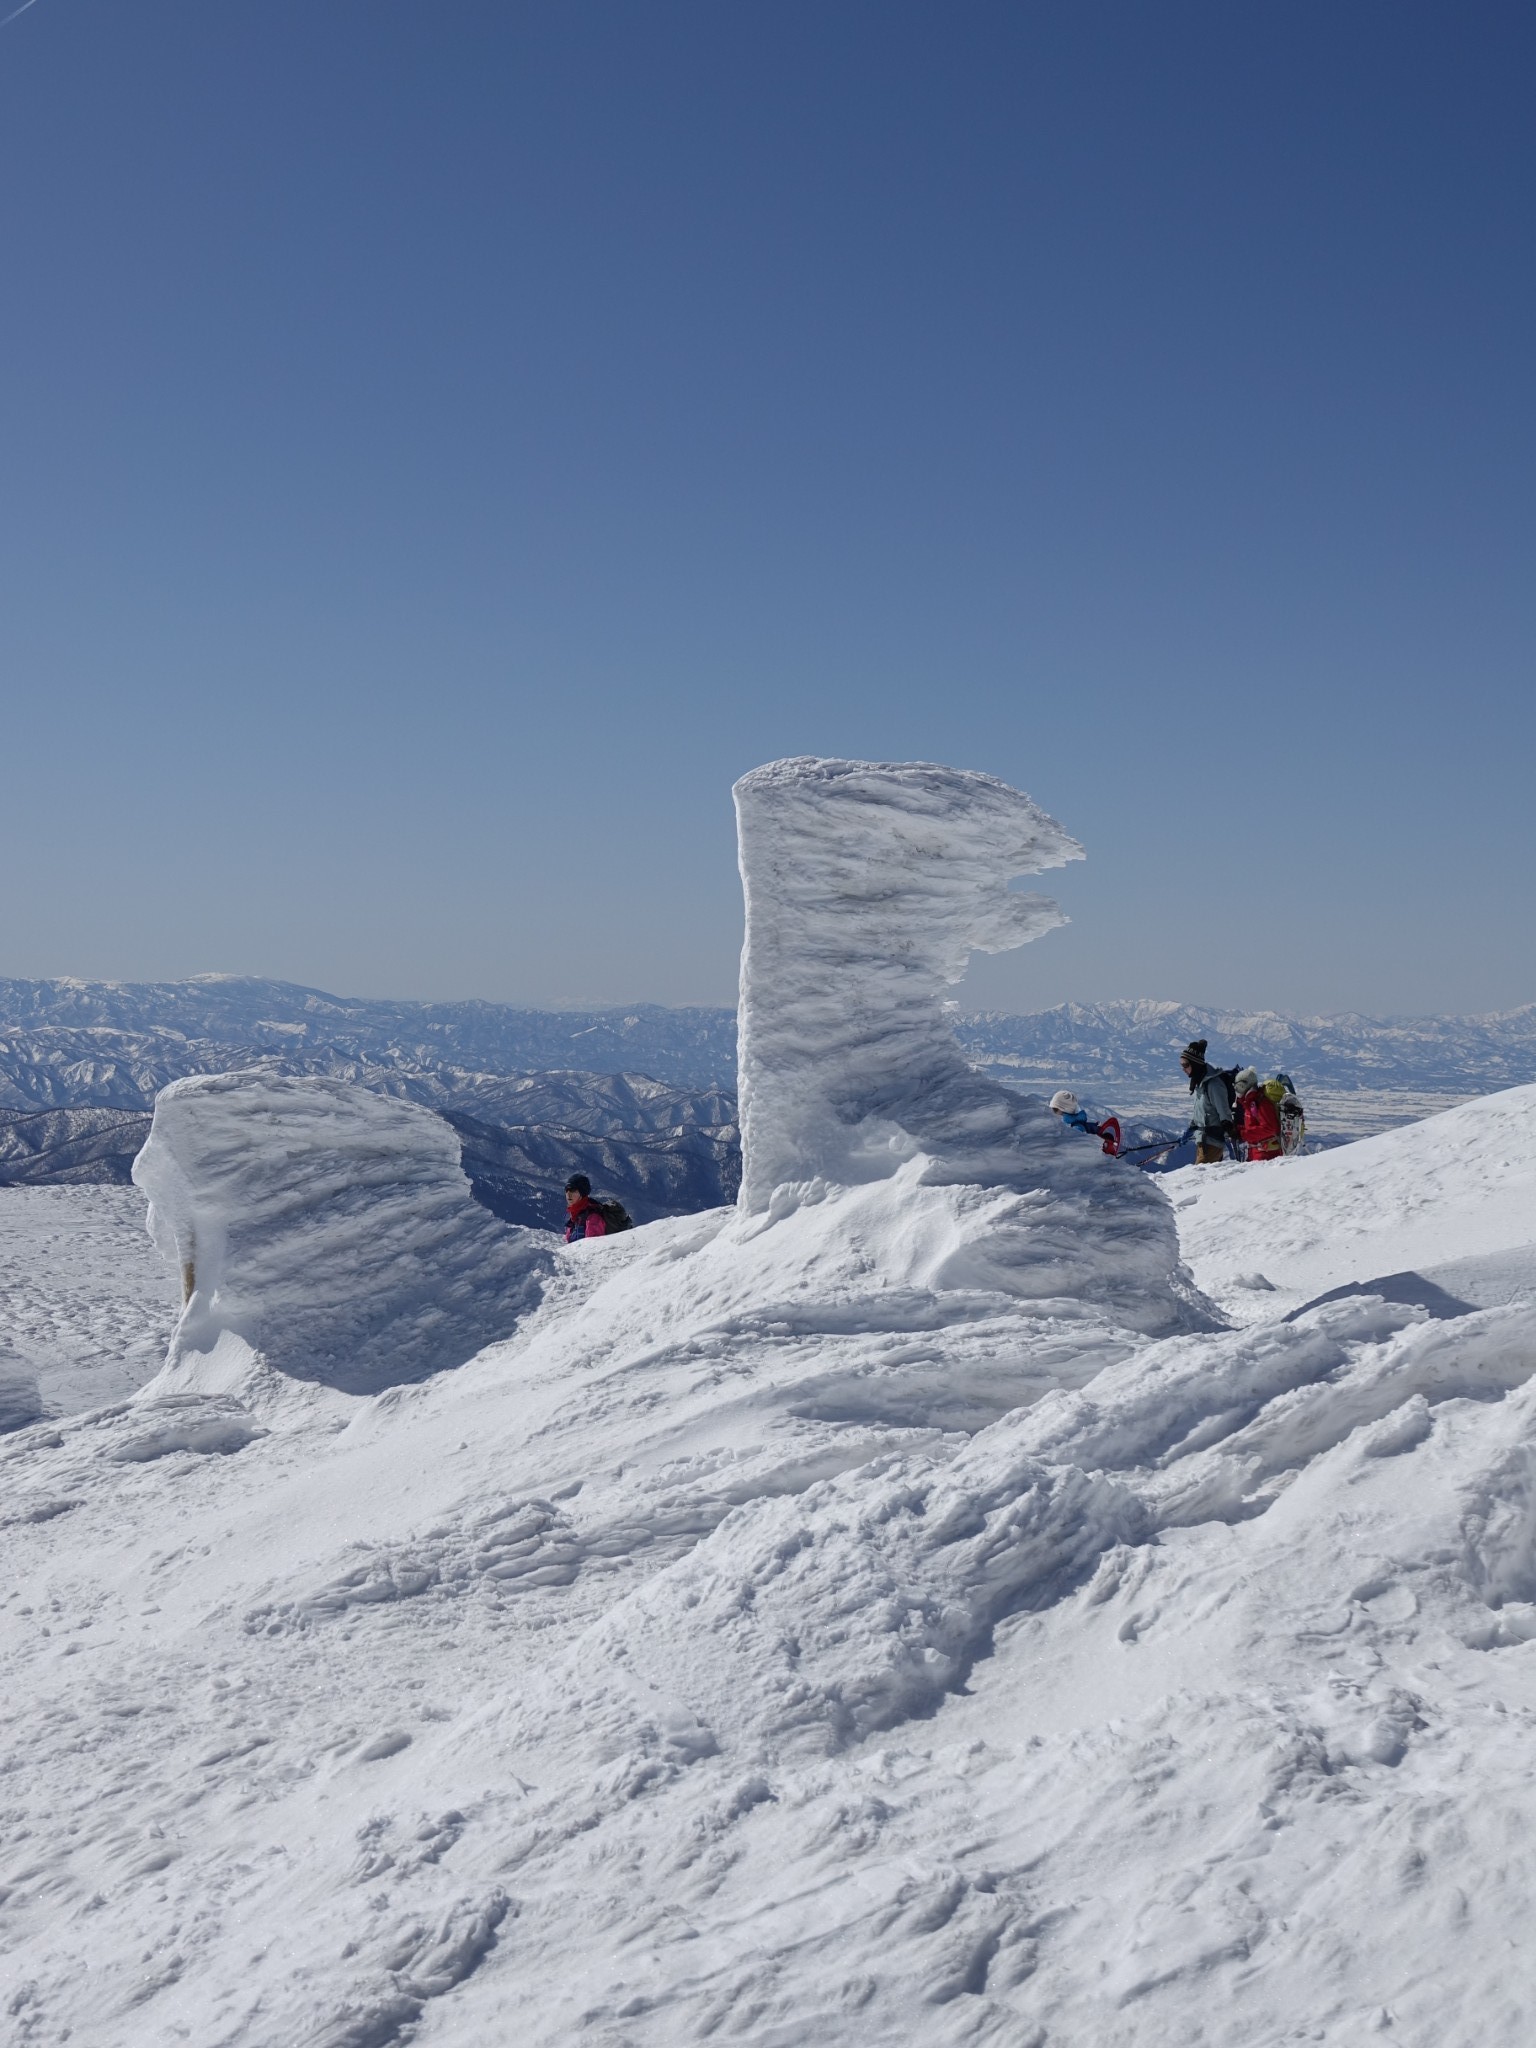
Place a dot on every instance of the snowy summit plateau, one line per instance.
(967, 1591)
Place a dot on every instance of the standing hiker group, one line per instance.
(1234, 1115)
(1233, 1108)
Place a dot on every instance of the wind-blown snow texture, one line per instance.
(771, 1643)
(795, 1631)
(327, 1229)
(867, 888)
(67, 1340)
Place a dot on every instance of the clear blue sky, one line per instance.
(442, 445)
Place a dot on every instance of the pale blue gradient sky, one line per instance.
(442, 445)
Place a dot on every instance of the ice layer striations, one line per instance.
(868, 885)
(328, 1229)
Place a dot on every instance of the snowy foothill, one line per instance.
(900, 1610)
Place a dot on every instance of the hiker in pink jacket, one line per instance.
(583, 1218)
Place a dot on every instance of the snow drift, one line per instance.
(1441, 1213)
(328, 1229)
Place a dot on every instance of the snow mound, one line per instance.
(329, 1230)
(868, 885)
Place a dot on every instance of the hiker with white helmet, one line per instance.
(1258, 1118)
(1066, 1105)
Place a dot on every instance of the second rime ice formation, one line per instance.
(328, 1229)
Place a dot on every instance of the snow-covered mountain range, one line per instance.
(76, 1044)
(66, 1042)
(662, 1151)
(82, 1062)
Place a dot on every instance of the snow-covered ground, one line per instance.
(785, 1637)
(86, 1307)
(1442, 1213)
(900, 1610)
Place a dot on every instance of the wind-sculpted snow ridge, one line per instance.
(329, 1230)
(868, 886)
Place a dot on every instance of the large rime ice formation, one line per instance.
(868, 886)
(327, 1228)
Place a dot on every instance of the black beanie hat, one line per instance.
(1195, 1051)
(578, 1184)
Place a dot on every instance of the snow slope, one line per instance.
(859, 1618)
(780, 1638)
(1441, 1212)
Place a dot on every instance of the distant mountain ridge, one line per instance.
(643, 1098)
(82, 1062)
(68, 1042)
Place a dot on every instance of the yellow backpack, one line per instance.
(1293, 1121)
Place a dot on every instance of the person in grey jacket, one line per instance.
(1210, 1115)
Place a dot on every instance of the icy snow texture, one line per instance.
(328, 1229)
(839, 1623)
(868, 885)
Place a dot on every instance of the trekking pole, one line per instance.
(1172, 1145)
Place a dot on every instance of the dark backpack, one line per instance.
(1229, 1075)
(613, 1213)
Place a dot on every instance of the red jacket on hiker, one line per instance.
(585, 1219)
(1260, 1125)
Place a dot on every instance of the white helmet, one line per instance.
(1064, 1102)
